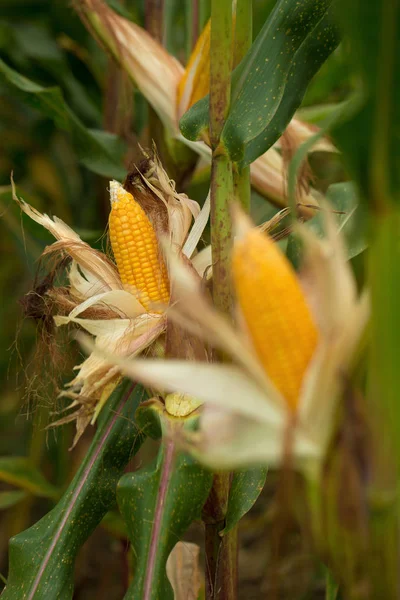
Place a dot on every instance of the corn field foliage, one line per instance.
(200, 299)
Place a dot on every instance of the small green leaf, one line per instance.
(345, 198)
(42, 558)
(246, 486)
(19, 471)
(8, 499)
(99, 151)
(194, 124)
(188, 485)
(148, 418)
(350, 219)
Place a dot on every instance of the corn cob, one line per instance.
(135, 247)
(275, 311)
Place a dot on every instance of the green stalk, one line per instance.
(204, 13)
(221, 231)
(242, 186)
(220, 66)
(243, 30)
(383, 404)
(221, 166)
(189, 39)
(221, 552)
(243, 41)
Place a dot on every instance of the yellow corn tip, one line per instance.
(195, 83)
(275, 311)
(135, 247)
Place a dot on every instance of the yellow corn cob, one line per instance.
(275, 311)
(135, 247)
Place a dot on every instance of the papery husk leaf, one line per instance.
(197, 314)
(91, 261)
(156, 73)
(183, 571)
(228, 440)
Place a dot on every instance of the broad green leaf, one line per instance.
(246, 486)
(99, 151)
(42, 557)
(8, 499)
(19, 471)
(308, 59)
(269, 84)
(155, 526)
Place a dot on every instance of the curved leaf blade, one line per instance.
(99, 151)
(309, 58)
(259, 81)
(19, 471)
(11, 498)
(188, 485)
(42, 557)
(246, 486)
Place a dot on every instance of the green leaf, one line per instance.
(19, 471)
(270, 82)
(98, 151)
(332, 588)
(246, 486)
(42, 558)
(350, 219)
(8, 499)
(345, 198)
(186, 486)
(312, 53)
(370, 138)
(194, 124)
(342, 197)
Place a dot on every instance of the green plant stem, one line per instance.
(383, 404)
(243, 41)
(189, 11)
(384, 380)
(242, 187)
(243, 30)
(221, 552)
(221, 231)
(220, 67)
(204, 13)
